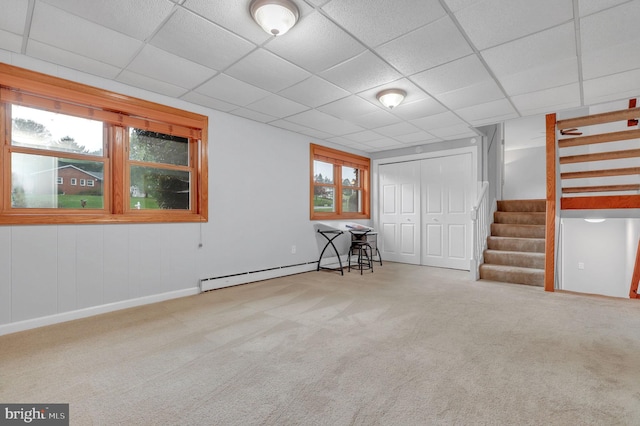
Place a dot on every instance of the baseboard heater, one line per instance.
(214, 283)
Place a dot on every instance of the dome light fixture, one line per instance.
(391, 98)
(276, 17)
(595, 219)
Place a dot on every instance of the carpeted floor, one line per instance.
(406, 345)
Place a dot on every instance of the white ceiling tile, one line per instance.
(376, 119)
(445, 119)
(216, 47)
(10, 41)
(610, 61)
(364, 136)
(147, 83)
(137, 19)
(230, 90)
(587, 7)
(494, 110)
(317, 134)
(385, 143)
(206, 101)
(314, 92)
(397, 129)
(556, 44)
(284, 124)
(547, 101)
(493, 22)
(14, 16)
(349, 107)
(331, 44)
(71, 60)
(361, 73)
(545, 76)
(612, 27)
(460, 73)
(265, 70)
(612, 87)
(427, 47)
(417, 137)
(456, 5)
(324, 122)
(472, 95)
(458, 131)
(417, 109)
(277, 106)
(378, 21)
(58, 28)
(253, 115)
(164, 66)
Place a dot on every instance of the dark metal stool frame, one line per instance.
(363, 249)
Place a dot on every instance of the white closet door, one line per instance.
(399, 231)
(446, 189)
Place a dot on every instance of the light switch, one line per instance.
(580, 265)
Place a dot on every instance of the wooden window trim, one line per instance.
(339, 159)
(33, 89)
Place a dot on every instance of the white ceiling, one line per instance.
(463, 63)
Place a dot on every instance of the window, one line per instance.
(126, 160)
(339, 184)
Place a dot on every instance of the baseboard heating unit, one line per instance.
(214, 283)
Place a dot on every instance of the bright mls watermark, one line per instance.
(34, 414)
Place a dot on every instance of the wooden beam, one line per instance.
(550, 225)
(600, 156)
(601, 173)
(602, 188)
(635, 279)
(602, 202)
(599, 138)
(605, 117)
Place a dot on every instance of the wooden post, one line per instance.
(635, 279)
(550, 229)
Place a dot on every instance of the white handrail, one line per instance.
(481, 228)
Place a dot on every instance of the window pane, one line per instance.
(35, 128)
(350, 176)
(34, 183)
(322, 172)
(351, 200)
(323, 199)
(153, 188)
(158, 148)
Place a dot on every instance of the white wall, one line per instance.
(258, 209)
(525, 159)
(605, 250)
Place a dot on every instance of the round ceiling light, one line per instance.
(391, 98)
(276, 17)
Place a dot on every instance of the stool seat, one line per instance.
(364, 252)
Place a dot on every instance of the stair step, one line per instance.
(519, 231)
(522, 218)
(514, 258)
(512, 274)
(522, 206)
(535, 245)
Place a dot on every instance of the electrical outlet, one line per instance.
(580, 265)
(293, 249)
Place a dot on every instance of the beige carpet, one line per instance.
(406, 345)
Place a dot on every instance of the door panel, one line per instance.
(400, 216)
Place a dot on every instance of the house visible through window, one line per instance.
(339, 184)
(154, 161)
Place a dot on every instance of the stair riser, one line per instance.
(520, 231)
(526, 278)
(522, 205)
(524, 260)
(529, 245)
(519, 218)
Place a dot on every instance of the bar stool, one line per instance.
(361, 248)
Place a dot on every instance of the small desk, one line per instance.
(330, 235)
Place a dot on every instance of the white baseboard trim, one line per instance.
(215, 283)
(29, 324)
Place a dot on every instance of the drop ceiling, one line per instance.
(463, 63)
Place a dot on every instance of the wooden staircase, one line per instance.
(515, 249)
